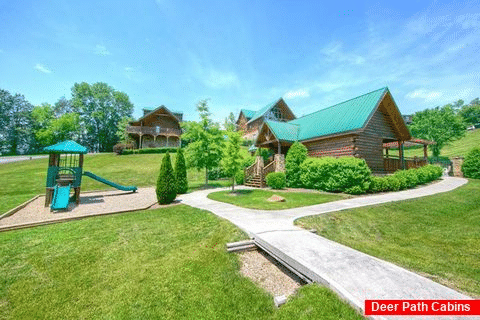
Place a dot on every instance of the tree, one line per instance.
(294, 158)
(205, 149)
(232, 161)
(471, 165)
(122, 133)
(166, 185)
(100, 108)
(15, 123)
(471, 113)
(62, 106)
(229, 123)
(181, 172)
(441, 125)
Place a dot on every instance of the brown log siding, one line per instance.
(333, 147)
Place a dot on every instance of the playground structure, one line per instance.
(65, 171)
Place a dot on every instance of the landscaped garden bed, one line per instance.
(436, 236)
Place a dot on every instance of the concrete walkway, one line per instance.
(355, 276)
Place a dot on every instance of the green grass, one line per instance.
(436, 235)
(23, 180)
(457, 148)
(257, 199)
(168, 263)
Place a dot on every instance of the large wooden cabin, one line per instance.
(157, 128)
(361, 127)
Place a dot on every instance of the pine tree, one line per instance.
(166, 185)
(181, 173)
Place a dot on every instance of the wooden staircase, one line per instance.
(256, 181)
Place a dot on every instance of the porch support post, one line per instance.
(386, 152)
(141, 141)
(279, 147)
(167, 142)
(400, 154)
(425, 154)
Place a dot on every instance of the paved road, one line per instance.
(20, 158)
(355, 276)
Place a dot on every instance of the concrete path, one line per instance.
(20, 158)
(355, 276)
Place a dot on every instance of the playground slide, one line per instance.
(110, 183)
(61, 198)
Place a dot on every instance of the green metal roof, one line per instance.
(252, 148)
(67, 146)
(346, 116)
(248, 113)
(284, 131)
(262, 111)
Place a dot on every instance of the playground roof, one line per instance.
(67, 146)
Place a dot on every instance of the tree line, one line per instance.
(445, 124)
(90, 117)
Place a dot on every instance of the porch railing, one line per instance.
(154, 131)
(269, 168)
(392, 164)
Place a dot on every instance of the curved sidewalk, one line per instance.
(355, 276)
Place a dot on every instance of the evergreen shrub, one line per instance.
(294, 158)
(181, 173)
(471, 164)
(166, 184)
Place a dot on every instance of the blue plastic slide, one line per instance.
(61, 198)
(110, 183)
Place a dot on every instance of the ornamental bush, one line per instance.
(240, 177)
(166, 184)
(471, 164)
(181, 173)
(276, 180)
(335, 174)
(149, 150)
(294, 158)
(408, 178)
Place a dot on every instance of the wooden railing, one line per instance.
(249, 172)
(268, 168)
(154, 131)
(392, 164)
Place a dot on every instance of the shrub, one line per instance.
(392, 183)
(240, 177)
(264, 153)
(248, 161)
(276, 180)
(119, 148)
(471, 165)
(166, 185)
(334, 174)
(216, 173)
(181, 173)
(294, 158)
(408, 178)
(378, 184)
(355, 190)
(430, 172)
(150, 150)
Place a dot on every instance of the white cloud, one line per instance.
(42, 68)
(334, 52)
(424, 94)
(301, 93)
(129, 69)
(101, 50)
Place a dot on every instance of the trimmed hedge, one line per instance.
(471, 164)
(345, 174)
(166, 184)
(150, 150)
(296, 154)
(405, 179)
(276, 180)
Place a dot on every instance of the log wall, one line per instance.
(332, 147)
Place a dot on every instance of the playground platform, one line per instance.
(91, 204)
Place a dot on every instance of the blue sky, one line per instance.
(243, 54)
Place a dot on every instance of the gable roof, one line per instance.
(262, 111)
(248, 113)
(348, 116)
(67, 146)
(150, 112)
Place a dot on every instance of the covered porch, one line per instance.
(393, 162)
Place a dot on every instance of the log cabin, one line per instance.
(157, 128)
(364, 127)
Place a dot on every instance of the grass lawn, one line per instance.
(257, 199)
(168, 263)
(22, 180)
(437, 236)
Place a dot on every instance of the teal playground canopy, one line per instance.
(67, 146)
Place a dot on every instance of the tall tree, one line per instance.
(441, 125)
(62, 106)
(205, 149)
(229, 123)
(232, 161)
(471, 112)
(100, 108)
(122, 133)
(15, 123)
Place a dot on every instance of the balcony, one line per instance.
(153, 131)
